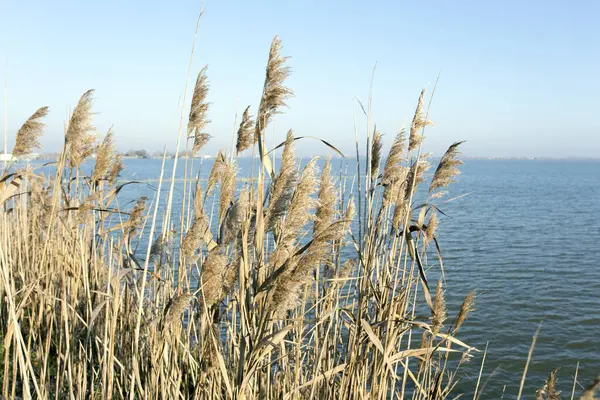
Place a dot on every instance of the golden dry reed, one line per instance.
(264, 291)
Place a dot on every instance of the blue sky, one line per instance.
(517, 78)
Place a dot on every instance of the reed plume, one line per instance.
(198, 120)
(236, 214)
(213, 277)
(282, 187)
(175, 308)
(287, 291)
(227, 189)
(326, 200)
(296, 215)
(432, 225)
(298, 273)
(80, 138)
(28, 135)
(216, 172)
(194, 236)
(375, 153)
(105, 158)
(136, 218)
(467, 306)
(447, 169)
(275, 94)
(439, 309)
(419, 122)
(115, 169)
(245, 133)
(400, 210)
(416, 175)
(393, 172)
(157, 247)
(548, 391)
(590, 392)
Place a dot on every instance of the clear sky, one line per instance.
(517, 77)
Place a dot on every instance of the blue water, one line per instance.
(527, 239)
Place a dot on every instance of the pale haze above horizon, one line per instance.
(516, 78)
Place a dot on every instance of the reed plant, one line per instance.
(291, 289)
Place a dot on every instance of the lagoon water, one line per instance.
(527, 238)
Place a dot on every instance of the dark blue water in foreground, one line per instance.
(528, 239)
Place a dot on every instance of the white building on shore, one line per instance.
(6, 157)
(26, 157)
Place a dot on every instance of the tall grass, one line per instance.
(276, 295)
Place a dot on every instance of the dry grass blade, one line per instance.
(28, 135)
(529, 356)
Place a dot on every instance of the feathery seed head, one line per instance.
(432, 225)
(375, 153)
(439, 309)
(394, 173)
(29, 133)
(416, 175)
(298, 213)
(105, 157)
(275, 93)
(282, 186)
(80, 138)
(468, 305)
(198, 120)
(176, 308)
(245, 133)
(193, 238)
(392, 170)
(216, 172)
(136, 218)
(326, 201)
(231, 226)
(115, 169)
(227, 189)
(212, 276)
(447, 168)
(418, 123)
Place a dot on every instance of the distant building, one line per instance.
(6, 157)
(25, 157)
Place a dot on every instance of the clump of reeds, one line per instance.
(263, 289)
